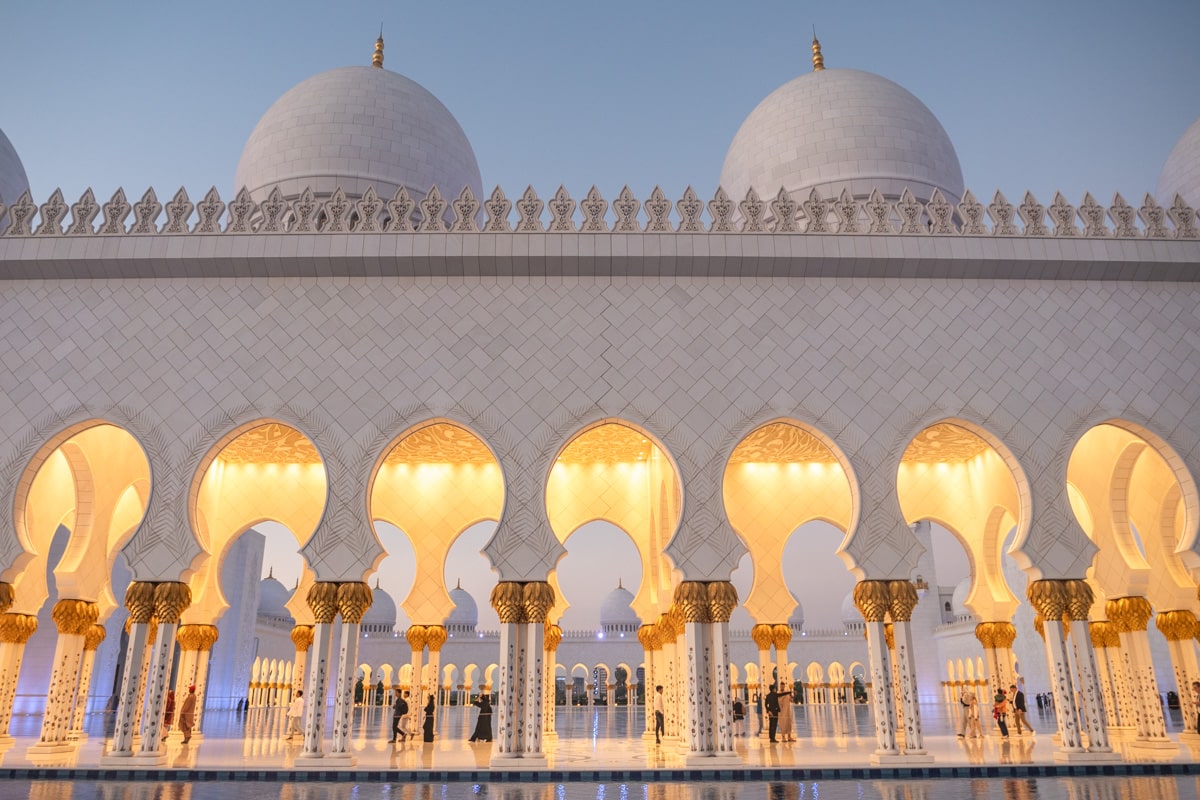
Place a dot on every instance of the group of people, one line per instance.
(968, 722)
(402, 722)
(187, 713)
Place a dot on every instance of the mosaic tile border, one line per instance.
(600, 776)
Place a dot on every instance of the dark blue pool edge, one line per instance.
(746, 775)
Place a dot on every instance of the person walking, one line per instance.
(974, 729)
(295, 714)
(1000, 711)
(739, 717)
(430, 710)
(168, 712)
(187, 714)
(787, 730)
(1018, 709)
(771, 704)
(399, 712)
(964, 708)
(660, 715)
(483, 725)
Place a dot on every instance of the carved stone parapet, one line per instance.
(904, 600)
(417, 636)
(1177, 626)
(7, 595)
(74, 617)
(692, 599)
(435, 637)
(171, 599)
(353, 600)
(1129, 613)
(722, 600)
(648, 636)
(782, 636)
(302, 637)
(1049, 598)
(508, 598)
(537, 598)
(1080, 598)
(17, 628)
(322, 599)
(874, 599)
(996, 635)
(552, 637)
(762, 636)
(139, 599)
(94, 636)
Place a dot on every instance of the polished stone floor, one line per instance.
(588, 739)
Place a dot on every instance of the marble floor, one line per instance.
(588, 739)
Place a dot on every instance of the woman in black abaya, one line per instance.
(483, 725)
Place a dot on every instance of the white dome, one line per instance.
(796, 620)
(958, 600)
(841, 128)
(356, 127)
(850, 612)
(1181, 172)
(13, 181)
(465, 612)
(382, 610)
(615, 609)
(273, 597)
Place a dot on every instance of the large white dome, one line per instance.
(356, 127)
(13, 181)
(273, 597)
(841, 128)
(1181, 172)
(615, 608)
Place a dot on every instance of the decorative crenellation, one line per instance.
(786, 213)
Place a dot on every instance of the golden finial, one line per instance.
(818, 59)
(377, 59)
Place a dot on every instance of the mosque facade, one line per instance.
(842, 332)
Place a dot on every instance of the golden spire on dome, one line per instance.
(818, 59)
(377, 59)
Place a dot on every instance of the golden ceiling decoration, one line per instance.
(608, 444)
(780, 443)
(943, 443)
(440, 443)
(272, 443)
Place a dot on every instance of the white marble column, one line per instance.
(722, 691)
(1179, 627)
(904, 600)
(91, 640)
(72, 618)
(322, 599)
(302, 639)
(781, 636)
(1049, 599)
(691, 597)
(670, 679)
(873, 599)
(649, 638)
(139, 599)
(1104, 644)
(508, 600)
(416, 637)
(552, 639)
(435, 639)
(170, 600)
(353, 599)
(537, 600)
(209, 636)
(763, 638)
(15, 630)
(1131, 615)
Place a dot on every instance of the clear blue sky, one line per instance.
(1068, 95)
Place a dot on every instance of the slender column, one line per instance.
(322, 599)
(692, 599)
(1049, 599)
(139, 599)
(435, 639)
(170, 600)
(668, 635)
(1131, 615)
(72, 618)
(722, 600)
(1104, 644)
(537, 600)
(188, 637)
(873, 599)
(651, 647)
(1079, 606)
(416, 635)
(302, 638)
(15, 630)
(91, 640)
(208, 637)
(353, 600)
(552, 639)
(508, 600)
(997, 639)
(763, 638)
(781, 635)
(1179, 627)
(904, 600)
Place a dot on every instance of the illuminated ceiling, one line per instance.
(271, 444)
(440, 443)
(943, 443)
(780, 443)
(608, 444)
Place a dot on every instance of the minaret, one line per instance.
(377, 59)
(818, 59)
